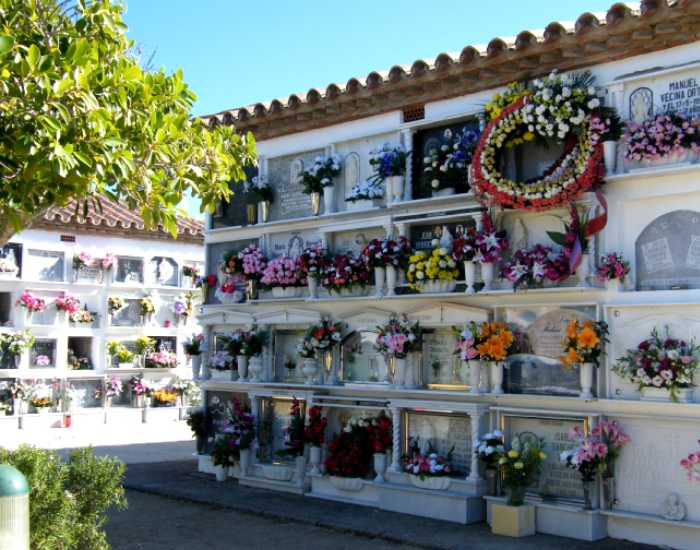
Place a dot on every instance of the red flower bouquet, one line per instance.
(315, 431)
(388, 252)
(346, 271)
(312, 262)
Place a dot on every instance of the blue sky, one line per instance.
(238, 52)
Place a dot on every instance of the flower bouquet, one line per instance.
(77, 363)
(691, 465)
(612, 436)
(588, 457)
(387, 161)
(260, 188)
(183, 304)
(312, 262)
(530, 267)
(495, 339)
(31, 303)
(294, 433)
(398, 337)
(8, 266)
(345, 272)
(253, 262)
(108, 262)
(467, 340)
(191, 271)
(490, 449)
(144, 344)
(124, 356)
(661, 137)
(381, 433)
(194, 345)
(231, 263)
(114, 304)
(184, 387)
(325, 334)
(438, 267)
(253, 343)
(18, 342)
(147, 305)
(447, 168)
(315, 430)
(139, 386)
(320, 174)
(520, 467)
(429, 465)
(82, 316)
(350, 451)
(42, 361)
(67, 303)
(161, 360)
(480, 246)
(221, 361)
(583, 343)
(365, 191)
(657, 363)
(235, 341)
(388, 253)
(20, 389)
(82, 259)
(281, 273)
(113, 386)
(613, 266)
(164, 398)
(240, 429)
(43, 402)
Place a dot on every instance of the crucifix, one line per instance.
(672, 438)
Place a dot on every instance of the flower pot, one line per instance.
(288, 291)
(496, 368)
(487, 276)
(588, 487)
(398, 186)
(513, 521)
(485, 373)
(137, 401)
(108, 402)
(379, 467)
(469, 277)
(199, 443)
(265, 210)
(181, 320)
(354, 291)
(28, 317)
(277, 473)
(315, 459)
(126, 365)
(493, 477)
(315, 203)
(42, 410)
(220, 374)
(610, 155)
(252, 213)
(221, 472)
(399, 371)
(16, 406)
(310, 369)
(444, 192)
(663, 395)
(474, 375)
(583, 271)
(242, 368)
(255, 364)
(441, 483)
(245, 462)
(391, 276)
(252, 289)
(18, 360)
(347, 483)
(609, 492)
(586, 371)
(301, 470)
(329, 200)
(196, 363)
(313, 288)
(205, 286)
(516, 495)
(379, 278)
(438, 286)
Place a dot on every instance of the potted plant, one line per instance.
(149, 303)
(346, 275)
(222, 362)
(434, 273)
(662, 139)
(583, 347)
(389, 164)
(112, 387)
(396, 340)
(240, 429)
(520, 467)
(252, 344)
(125, 358)
(222, 457)
(350, 455)
(17, 343)
(41, 404)
(254, 264)
(490, 449)
(386, 257)
(532, 267)
(139, 390)
(194, 347)
(32, 304)
(447, 168)
(382, 441)
(113, 346)
(262, 193)
(319, 178)
(319, 339)
(281, 278)
(190, 274)
(663, 369)
(612, 267)
(430, 471)
(144, 345)
(311, 265)
(315, 437)
(196, 420)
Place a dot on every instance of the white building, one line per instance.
(147, 261)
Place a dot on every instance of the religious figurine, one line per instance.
(518, 240)
(295, 169)
(165, 270)
(295, 248)
(640, 108)
(362, 241)
(446, 239)
(352, 172)
(672, 509)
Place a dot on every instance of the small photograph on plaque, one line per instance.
(129, 270)
(46, 265)
(533, 366)
(444, 433)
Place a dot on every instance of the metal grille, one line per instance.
(67, 238)
(417, 113)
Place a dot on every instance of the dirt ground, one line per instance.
(177, 525)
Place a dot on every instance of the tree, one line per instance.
(80, 119)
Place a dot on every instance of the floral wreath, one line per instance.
(571, 175)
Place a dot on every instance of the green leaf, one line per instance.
(33, 55)
(6, 43)
(558, 238)
(132, 74)
(83, 158)
(45, 63)
(65, 115)
(50, 123)
(61, 87)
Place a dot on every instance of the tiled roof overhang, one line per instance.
(627, 30)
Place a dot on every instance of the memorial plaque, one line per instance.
(46, 265)
(649, 466)
(423, 235)
(129, 270)
(218, 407)
(290, 201)
(129, 315)
(285, 346)
(292, 244)
(88, 274)
(276, 418)
(47, 348)
(13, 253)
(440, 366)
(555, 479)
(355, 241)
(235, 212)
(82, 394)
(162, 271)
(361, 362)
(444, 432)
(532, 360)
(667, 252)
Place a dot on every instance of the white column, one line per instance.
(389, 231)
(396, 444)
(208, 333)
(267, 374)
(616, 93)
(323, 237)
(589, 207)
(403, 229)
(407, 136)
(474, 470)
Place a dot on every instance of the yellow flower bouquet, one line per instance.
(583, 343)
(422, 267)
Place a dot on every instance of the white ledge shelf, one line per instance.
(655, 172)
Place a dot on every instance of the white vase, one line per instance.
(610, 155)
(391, 277)
(474, 375)
(485, 374)
(315, 460)
(264, 210)
(18, 360)
(310, 369)
(586, 371)
(438, 286)
(583, 271)
(221, 472)
(313, 288)
(432, 483)
(379, 278)
(389, 189)
(399, 371)
(196, 361)
(496, 376)
(470, 277)
(245, 462)
(398, 185)
(663, 395)
(301, 470)
(315, 203)
(288, 291)
(329, 200)
(242, 368)
(353, 484)
(487, 276)
(379, 467)
(255, 365)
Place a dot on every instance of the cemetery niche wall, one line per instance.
(562, 315)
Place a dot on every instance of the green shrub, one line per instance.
(68, 498)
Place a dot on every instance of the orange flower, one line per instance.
(571, 329)
(588, 338)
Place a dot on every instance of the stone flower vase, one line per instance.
(196, 361)
(245, 462)
(329, 200)
(380, 467)
(496, 376)
(310, 369)
(399, 371)
(586, 372)
(315, 460)
(379, 278)
(301, 470)
(391, 277)
(313, 288)
(398, 186)
(316, 203)
(474, 375)
(243, 368)
(255, 364)
(487, 275)
(221, 472)
(470, 277)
